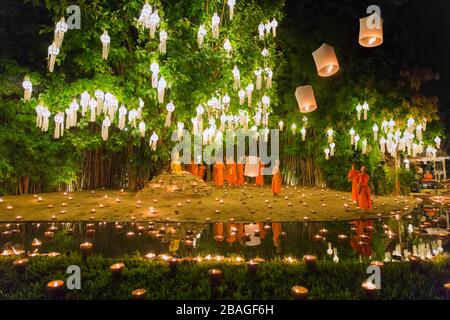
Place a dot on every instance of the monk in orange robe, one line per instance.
(277, 230)
(260, 176)
(201, 171)
(276, 179)
(194, 168)
(353, 176)
(219, 168)
(231, 173)
(240, 174)
(364, 201)
(427, 176)
(362, 245)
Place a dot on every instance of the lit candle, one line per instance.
(19, 218)
(36, 243)
(9, 207)
(252, 267)
(20, 265)
(214, 276)
(311, 262)
(377, 263)
(369, 289)
(55, 289)
(299, 292)
(86, 248)
(173, 265)
(116, 270)
(139, 294)
(447, 291)
(342, 237)
(49, 234)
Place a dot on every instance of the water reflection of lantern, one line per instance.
(371, 31)
(326, 61)
(305, 99)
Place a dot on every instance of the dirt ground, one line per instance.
(248, 203)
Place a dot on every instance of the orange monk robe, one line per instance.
(232, 174)
(194, 168)
(276, 182)
(363, 247)
(277, 230)
(240, 174)
(262, 232)
(235, 232)
(201, 171)
(260, 177)
(427, 177)
(364, 201)
(353, 176)
(219, 172)
(218, 229)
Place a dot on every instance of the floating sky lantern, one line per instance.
(305, 99)
(371, 31)
(326, 60)
(106, 40)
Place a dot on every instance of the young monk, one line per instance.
(364, 201)
(219, 171)
(201, 171)
(276, 179)
(353, 176)
(231, 172)
(260, 176)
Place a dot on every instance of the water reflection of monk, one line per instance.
(359, 242)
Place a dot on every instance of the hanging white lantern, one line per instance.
(258, 73)
(358, 111)
(305, 99)
(365, 108)
(384, 126)
(142, 129)
(382, 145)
(93, 111)
(406, 162)
(261, 30)
(364, 146)
(84, 102)
(153, 23)
(265, 53)
(236, 77)
(326, 60)
(162, 42)
(112, 108)
(332, 147)
(74, 107)
(180, 127)
(391, 125)
(132, 116)
(201, 35)
(375, 132)
(410, 123)
(424, 124)
(231, 4)
(249, 90)
(45, 119)
(154, 68)
(170, 108)
(280, 125)
(59, 125)
(230, 122)
(241, 95)
(122, 117)
(419, 132)
(215, 22)
(265, 100)
(294, 128)
(327, 153)
(352, 136)
(105, 39)
(437, 140)
(141, 107)
(303, 132)
(39, 115)
(100, 96)
(356, 141)
(161, 88)
(60, 29)
(105, 128)
(274, 25)
(269, 74)
(226, 100)
(223, 119)
(153, 141)
(227, 46)
(68, 118)
(200, 110)
(145, 15)
(28, 87)
(257, 118)
(53, 51)
(268, 27)
(330, 133)
(195, 126)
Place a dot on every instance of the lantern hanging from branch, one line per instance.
(39, 115)
(261, 30)
(265, 101)
(60, 29)
(59, 125)
(227, 46)
(352, 136)
(153, 23)
(170, 108)
(105, 128)
(236, 78)
(45, 119)
(258, 73)
(180, 129)
(332, 148)
(132, 116)
(141, 106)
(356, 141)
(201, 35)
(419, 132)
(215, 22)
(154, 68)
(274, 25)
(269, 74)
(53, 51)
(105, 39)
(364, 146)
(371, 31)
(162, 42)
(326, 60)
(74, 107)
(327, 153)
(100, 96)
(84, 102)
(358, 111)
(365, 108)
(375, 132)
(303, 132)
(249, 89)
(153, 141)
(92, 106)
(241, 95)
(145, 15)
(280, 125)
(305, 99)
(142, 129)
(28, 87)
(122, 117)
(226, 100)
(231, 4)
(268, 27)
(294, 128)
(330, 133)
(265, 52)
(161, 88)
(437, 140)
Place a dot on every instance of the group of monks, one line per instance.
(233, 174)
(360, 187)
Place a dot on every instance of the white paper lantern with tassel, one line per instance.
(154, 68)
(162, 42)
(375, 132)
(100, 96)
(201, 35)
(364, 146)
(122, 117)
(161, 89)
(153, 23)
(437, 140)
(93, 111)
(215, 22)
(59, 125)
(358, 111)
(265, 101)
(352, 136)
(170, 108)
(74, 107)
(39, 115)
(419, 132)
(356, 141)
(84, 102)
(153, 141)
(145, 15)
(142, 129)
(330, 133)
(269, 74)
(227, 46)
(60, 29)
(280, 125)
(141, 107)
(274, 25)
(28, 87)
(261, 30)
(180, 128)
(236, 78)
(294, 128)
(332, 148)
(68, 118)
(303, 132)
(241, 95)
(226, 101)
(45, 119)
(106, 40)
(258, 73)
(327, 153)
(249, 90)
(365, 108)
(231, 4)
(105, 128)
(132, 116)
(53, 51)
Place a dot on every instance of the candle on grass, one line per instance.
(299, 292)
(116, 270)
(86, 248)
(20, 265)
(139, 294)
(252, 267)
(215, 276)
(55, 289)
(173, 265)
(311, 262)
(370, 290)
